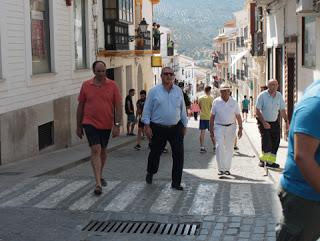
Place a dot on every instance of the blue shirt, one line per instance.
(305, 119)
(270, 105)
(163, 107)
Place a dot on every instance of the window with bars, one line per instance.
(117, 36)
(118, 10)
(45, 135)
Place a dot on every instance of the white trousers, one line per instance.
(224, 136)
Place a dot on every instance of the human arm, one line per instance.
(283, 114)
(212, 125)
(184, 118)
(266, 125)
(240, 128)
(146, 114)
(117, 112)
(305, 147)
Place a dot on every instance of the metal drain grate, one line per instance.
(112, 226)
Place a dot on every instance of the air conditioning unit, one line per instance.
(304, 6)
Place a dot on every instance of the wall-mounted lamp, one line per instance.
(142, 29)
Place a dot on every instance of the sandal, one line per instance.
(220, 173)
(98, 190)
(227, 173)
(103, 182)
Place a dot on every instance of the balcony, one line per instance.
(143, 41)
(116, 36)
(240, 42)
(257, 45)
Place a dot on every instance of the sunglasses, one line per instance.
(168, 74)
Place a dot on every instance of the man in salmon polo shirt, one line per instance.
(99, 114)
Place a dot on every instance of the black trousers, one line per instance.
(159, 138)
(270, 138)
(195, 115)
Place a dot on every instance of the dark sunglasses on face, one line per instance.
(168, 74)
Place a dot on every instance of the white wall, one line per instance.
(307, 75)
(291, 26)
(20, 88)
(275, 28)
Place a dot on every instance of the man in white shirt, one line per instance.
(225, 110)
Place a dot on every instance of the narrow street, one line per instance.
(59, 204)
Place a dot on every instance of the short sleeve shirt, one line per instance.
(131, 110)
(99, 102)
(205, 103)
(270, 105)
(305, 120)
(245, 104)
(225, 112)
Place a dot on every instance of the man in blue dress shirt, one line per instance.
(165, 119)
(300, 182)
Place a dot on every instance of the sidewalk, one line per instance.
(56, 161)
(252, 132)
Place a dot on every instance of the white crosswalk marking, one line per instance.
(241, 200)
(166, 200)
(16, 187)
(89, 199)
(121, 201)
(25, 197)
(60, 195)
(204, 199)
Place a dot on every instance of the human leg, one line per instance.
(176, 142)
(158, 141)
(300, 218)
(220, 154)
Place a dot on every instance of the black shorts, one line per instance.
(97, 136)
(245, 110)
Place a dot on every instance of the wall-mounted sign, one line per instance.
(156, 61)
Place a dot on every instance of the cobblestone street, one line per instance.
(242, 206)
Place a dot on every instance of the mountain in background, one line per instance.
(195, 23)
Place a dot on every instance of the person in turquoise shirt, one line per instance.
(245, 108)
(269, 105)
(300, 182)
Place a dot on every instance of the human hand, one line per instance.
(79, 132)
(184, 131)
(148, 132)
(266, 125)
(115, 131)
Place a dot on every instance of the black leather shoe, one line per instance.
(273, 165)
(261, 164)
(177, 187)
(149, 178)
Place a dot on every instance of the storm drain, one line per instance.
(189, 229)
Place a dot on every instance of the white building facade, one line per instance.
(46, 51)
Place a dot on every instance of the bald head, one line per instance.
(273, 86)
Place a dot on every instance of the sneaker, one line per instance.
(137, 147)
(149, 178)
(235, 148)
(261, 164)
(103, 182)
(273, 165)
(165, 150)
(214, 149)
(203, 150)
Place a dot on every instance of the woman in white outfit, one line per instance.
(223, 128)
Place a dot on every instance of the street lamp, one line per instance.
(141, 30)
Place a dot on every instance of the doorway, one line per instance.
(291, 85)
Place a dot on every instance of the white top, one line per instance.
(225, 112)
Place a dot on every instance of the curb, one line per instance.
(81, 161)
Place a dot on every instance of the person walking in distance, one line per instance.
(245, 108)
(300, 182)
(225, 110)
(99, 99)
(165, 119)
(140, 105)
(205, 104)
(195, 109)
(129, 108)
(269, 103)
